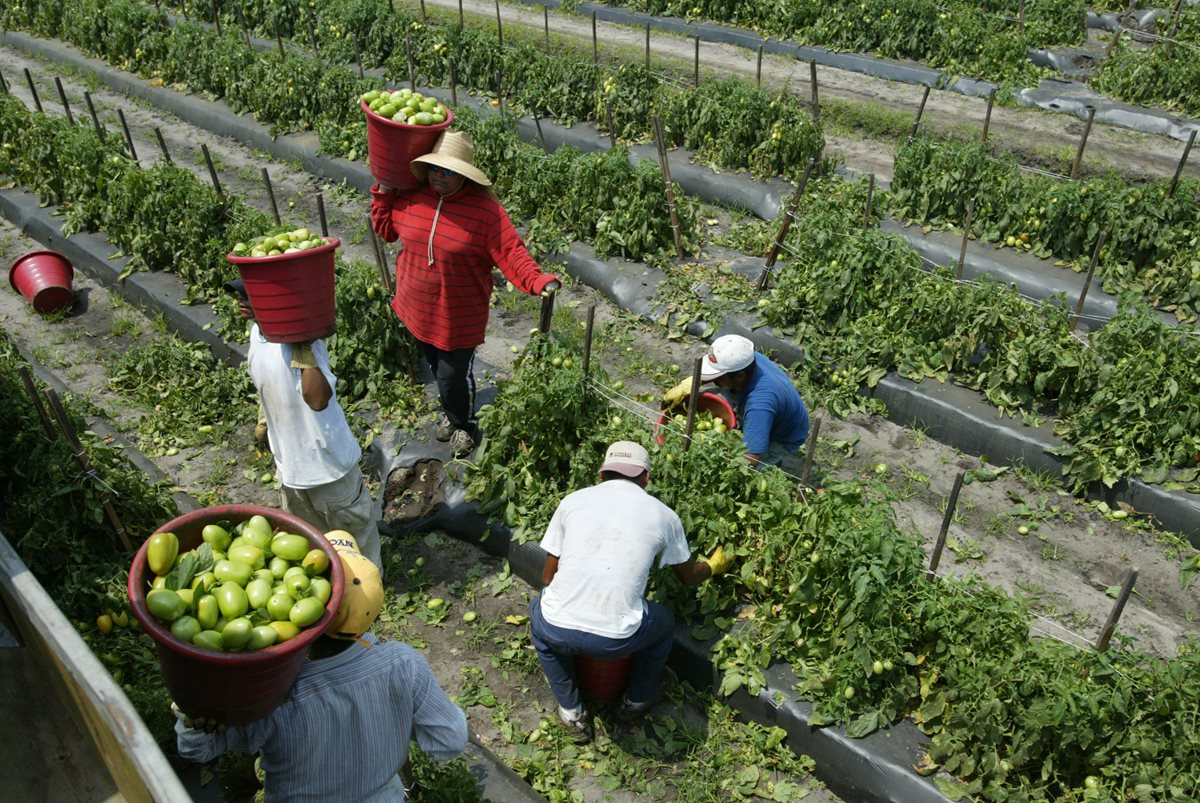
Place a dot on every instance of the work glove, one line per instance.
(551, 288)
(205, 724)
(302, 355)
(260, 427)
(718, 562)
(678, 393)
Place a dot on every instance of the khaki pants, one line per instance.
(343, 504)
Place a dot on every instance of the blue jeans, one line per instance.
(557, 647)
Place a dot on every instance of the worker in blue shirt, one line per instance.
(343, 731)
(771, 414)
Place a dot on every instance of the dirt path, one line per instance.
(1029, 131)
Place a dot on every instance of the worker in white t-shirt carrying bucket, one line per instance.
(600, 546)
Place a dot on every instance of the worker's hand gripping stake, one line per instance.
(678, 394)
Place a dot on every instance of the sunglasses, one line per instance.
(441, 171)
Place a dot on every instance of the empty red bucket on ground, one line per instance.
(712, 403)
(44, 278)
(292, 295)
(391, 147)
(602, 680)
(233, 688)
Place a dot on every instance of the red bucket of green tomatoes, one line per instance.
(289, 279)
(401, 126)
(233, 597)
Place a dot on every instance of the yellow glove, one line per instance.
(718, 562)
(260, 426)
(302, 355)
(678, 393)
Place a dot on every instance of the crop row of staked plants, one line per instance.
(961, 37)
(1127, 402)
(166, 219)
(837, 591)
(1166, 74)
(1151, 240)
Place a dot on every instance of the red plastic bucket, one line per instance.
(291, 294)
(602, 680)
(234, 688)
(44, 278)
(706, 402)
(391, 147)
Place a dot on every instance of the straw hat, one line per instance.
(453, 151)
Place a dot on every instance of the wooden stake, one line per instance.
(424, 16)
(758, 70)
(217, 18)
(692, 399)
(1175, 17)
(1182, 161)
(788, 217)
(987, 117)
(412, 67)
(37, 102)
(499, 27)
(357, 54)
(920, 112)
(266, 177)
(242, 21)
(940, 543)
(3, 84)
(500, 90)
(612, 131)
(212, 171)
(100, 132)
(962, 249)
(816, 94)
(278, 38)
(1112, 43)
(647, 46)
(810, 449)
(381, 259)
(546, 314)
(31, 389)
(696, 64)
(460, 14)
(537, 123)
(1114, 615)
(867, 206)
(546, 25)
(1087, 129)
(1021, 15)
(587, 346)
(68, 431)
(162, 144)
(1087, 281)
(63, 97)
(453, 85)
(312, 40)
(128, 136)
(321, 215)
(595, 44)
(664, 163)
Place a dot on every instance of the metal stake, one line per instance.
(266, 177)
(212, 171)
(920, 111)
(162, 144)
(665, 165)
(940, 544)
(962, 249)
(33, 91)
(987, 117)
(100, 132)
(1087, 282)
(810, 449)
(788, 217)
(63, 97)
(128, 136)
(31, 389)
(1115, 614)
(1182, 161)
(321, 214)
(1087, 129)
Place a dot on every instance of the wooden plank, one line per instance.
(135, 762)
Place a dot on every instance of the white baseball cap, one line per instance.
(728, 354)
(626, 458)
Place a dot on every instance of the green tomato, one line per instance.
(165, 604)
(232, 600)
(208, 639)
(306, 611)
(237, 633)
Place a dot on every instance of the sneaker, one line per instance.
(444, 430)
(581, 730)
(462, 443)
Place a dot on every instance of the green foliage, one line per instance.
(1167, 74)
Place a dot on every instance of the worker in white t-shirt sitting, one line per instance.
(601, 544)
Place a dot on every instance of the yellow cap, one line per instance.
(362, 595)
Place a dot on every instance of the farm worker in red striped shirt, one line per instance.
(453, 230)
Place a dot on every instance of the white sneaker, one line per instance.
(462, 443)
(444, 430)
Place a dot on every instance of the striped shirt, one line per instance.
(444, 273)
(343, 732)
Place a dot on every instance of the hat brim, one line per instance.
(629, 470)
(707, 374)
(420, 168)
